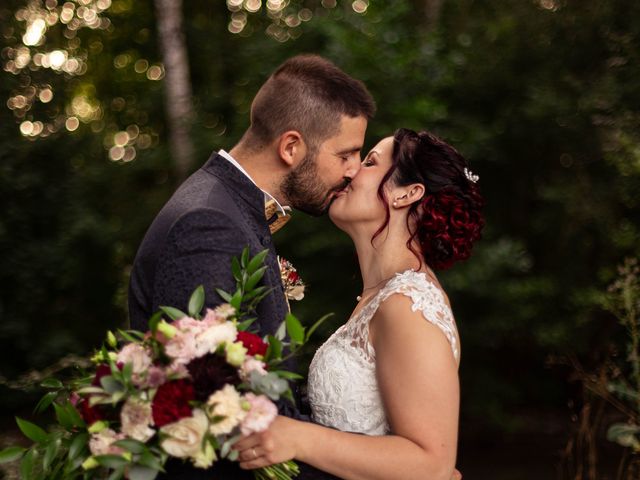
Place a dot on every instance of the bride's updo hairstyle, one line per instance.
(448, 219)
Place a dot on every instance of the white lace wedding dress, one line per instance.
(342, 385)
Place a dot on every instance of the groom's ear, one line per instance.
(291, 148)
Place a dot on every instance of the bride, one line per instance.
(391, 372)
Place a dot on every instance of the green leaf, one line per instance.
(257, 293)
(173, 313)
(11, 454)
(288, 375)
(315, 326)
(236, 300)
(257, 261)
(62, 416)
(26, 466)
(133, 446)
(244, 326)
(127, 336)
(148, 459)
(77, 445)
(244, 259)
(154, 320)
(45, 401)
(50, 453)
(32, 431)
(127, 372)
(138, 472)
(74, 415)
(51, 383)
(275, 348)
(196, 302)
(224, 295)
(236, 269)
(255, 277)
(117, 474)
(111, 461)
(111, 385)
(294, 328)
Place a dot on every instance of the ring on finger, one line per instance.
(255, 455)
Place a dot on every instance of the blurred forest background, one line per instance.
(104, 110)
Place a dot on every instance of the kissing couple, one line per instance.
(383, 389)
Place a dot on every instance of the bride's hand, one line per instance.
(275, 445)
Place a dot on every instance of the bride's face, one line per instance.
(359, 202)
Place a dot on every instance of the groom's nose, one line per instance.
(353, 167)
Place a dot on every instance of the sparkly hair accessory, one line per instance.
(470, 175)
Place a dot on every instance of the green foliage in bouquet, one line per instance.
(202, 374)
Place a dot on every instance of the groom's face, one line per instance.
(321, 175)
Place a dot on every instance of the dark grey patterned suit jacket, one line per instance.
(214, 214)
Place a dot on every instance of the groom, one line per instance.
(302, 147)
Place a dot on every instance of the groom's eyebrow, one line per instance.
(349, 150)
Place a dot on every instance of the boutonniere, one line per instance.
(291, 281)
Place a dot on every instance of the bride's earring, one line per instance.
(395, 204)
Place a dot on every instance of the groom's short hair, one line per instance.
(309, 94)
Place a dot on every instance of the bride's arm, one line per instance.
(418, 380)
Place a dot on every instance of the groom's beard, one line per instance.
(304, 190)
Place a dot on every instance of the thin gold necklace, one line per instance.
(359, 297)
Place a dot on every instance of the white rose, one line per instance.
(184, 437)
(209, 340)
(135, 418)
(225, 403)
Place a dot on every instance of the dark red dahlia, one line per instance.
(102, 371)
(90, 414)
(253, 343)
(171, 402)
(210, 373)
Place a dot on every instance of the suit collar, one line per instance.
(238, 182)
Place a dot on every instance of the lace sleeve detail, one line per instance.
(428, 299)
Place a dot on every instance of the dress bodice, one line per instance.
(343, 389)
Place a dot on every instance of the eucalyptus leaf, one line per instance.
(111, 385)
(138, 472)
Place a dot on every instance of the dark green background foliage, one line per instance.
(542, 97)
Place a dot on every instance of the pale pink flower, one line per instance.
(252, 364)
(225, 311)
(261, 414)
(227, 404)
(101, 442)
(212, 317)
(139, 359)
(182, 347)
(189, 325)
(135, 420)
(156, 376)
(212, 337)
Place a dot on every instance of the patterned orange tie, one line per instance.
(274, 216)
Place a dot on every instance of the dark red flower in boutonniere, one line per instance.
(291, 281)
(171, 402)
(253, 343)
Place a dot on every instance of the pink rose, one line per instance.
(260, 415)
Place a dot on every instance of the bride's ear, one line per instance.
(407, 195)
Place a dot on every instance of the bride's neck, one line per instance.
(384, 257)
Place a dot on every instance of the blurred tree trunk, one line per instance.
(177, 83)
(432, 10)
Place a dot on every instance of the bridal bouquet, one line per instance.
(188, 388)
